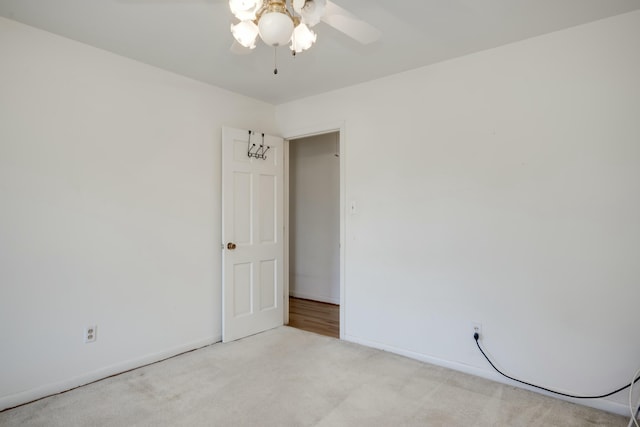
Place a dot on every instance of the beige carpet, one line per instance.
(288, 377)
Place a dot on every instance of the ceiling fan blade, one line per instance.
(238, 49)
(349, 24)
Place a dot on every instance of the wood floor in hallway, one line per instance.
(313, 316)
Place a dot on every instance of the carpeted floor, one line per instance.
(288, 377)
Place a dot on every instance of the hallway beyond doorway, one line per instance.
(313, 316)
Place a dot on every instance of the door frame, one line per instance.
(305, 132)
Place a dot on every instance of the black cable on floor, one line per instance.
(476, 336)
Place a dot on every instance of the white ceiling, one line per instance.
(192, 38)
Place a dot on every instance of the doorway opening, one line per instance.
(314, 234)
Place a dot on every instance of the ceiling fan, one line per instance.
(280, 22)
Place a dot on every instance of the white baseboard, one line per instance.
(55, 388)
(312, 297)
(602, 404)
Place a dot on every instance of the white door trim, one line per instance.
(297, 133)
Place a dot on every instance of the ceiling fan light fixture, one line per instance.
(245, 33)
(303, 38)
(275, 28)
(245, 9)
(280, 22)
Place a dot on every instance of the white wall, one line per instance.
(314, 219)
(502, 187)
(110, 211)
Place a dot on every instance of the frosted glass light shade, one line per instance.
(275, 28)
(311, 11)
(245, 33)
(302, 38)
(245, 9)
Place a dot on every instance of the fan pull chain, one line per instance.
(293, 43)
(275, 60)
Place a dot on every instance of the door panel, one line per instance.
(253, 235)
(268, 208)
(268, 284)
(241, 214)
(242, 289)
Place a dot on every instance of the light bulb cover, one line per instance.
(245, 9)
(245, 33)
(303, 38)
(275, 28)
(311, 11)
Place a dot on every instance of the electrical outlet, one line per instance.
(90, 334)
(477, 328)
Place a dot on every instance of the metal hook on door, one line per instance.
(260, 152)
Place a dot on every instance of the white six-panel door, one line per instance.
(252, 233)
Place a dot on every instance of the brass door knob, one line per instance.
(231, 246)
